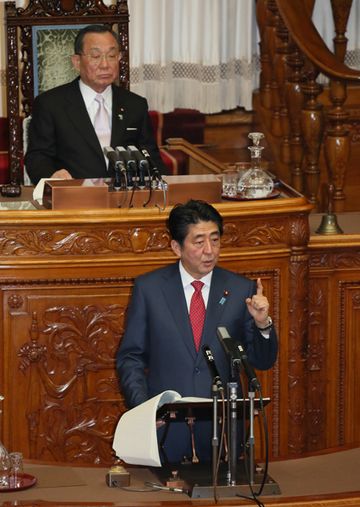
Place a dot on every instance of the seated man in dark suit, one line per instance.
(72, 123)
(162, 345)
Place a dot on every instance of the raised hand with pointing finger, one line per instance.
(258, 306)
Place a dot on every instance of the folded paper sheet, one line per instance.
(135, 439)
(39, 189)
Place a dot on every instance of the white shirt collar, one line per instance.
(186, 278)
(89, 94)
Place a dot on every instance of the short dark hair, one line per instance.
(192, 212)
(79, 39)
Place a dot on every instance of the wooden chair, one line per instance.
(28, 30)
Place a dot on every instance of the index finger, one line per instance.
(259, 287)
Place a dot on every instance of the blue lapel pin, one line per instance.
(223, 298)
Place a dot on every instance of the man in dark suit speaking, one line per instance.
(72, 123)
(162, 345)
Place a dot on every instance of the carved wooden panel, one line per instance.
(65, 396)
(333, 352)
(317, 362)
(349, 356)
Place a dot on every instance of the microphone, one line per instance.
(130, 165)
(211, 363)
(155, 171)
(142, 164)
(113, 158)
(237, 352)
(111, 154)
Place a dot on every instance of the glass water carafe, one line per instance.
(255, 183)
(5, 463)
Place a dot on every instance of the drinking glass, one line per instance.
(5, 467)
(5, 462)
(17, 469)
(229, 183)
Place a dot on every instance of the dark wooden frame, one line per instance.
(20, 77)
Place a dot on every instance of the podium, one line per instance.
(100, 194)
(196, 478)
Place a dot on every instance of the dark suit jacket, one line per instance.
(61, 134)
(157, 351)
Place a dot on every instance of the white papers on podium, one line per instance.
(135, 439)
(39, 189)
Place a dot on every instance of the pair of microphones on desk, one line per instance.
(237, 355)
(133, 168)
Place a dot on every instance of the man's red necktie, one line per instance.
(197, 312)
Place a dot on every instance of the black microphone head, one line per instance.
(211, 363)
(155, 173)
(111, 154)
(140, 158)
(134, 152)
(230, 347)
(122, 154)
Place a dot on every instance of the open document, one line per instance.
(135, 439)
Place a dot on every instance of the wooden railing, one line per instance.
(307, 124)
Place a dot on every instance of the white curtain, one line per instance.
(203, 54)
(199, 54)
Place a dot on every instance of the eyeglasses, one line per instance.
(95, 57)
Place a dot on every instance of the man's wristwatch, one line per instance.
(268, 326)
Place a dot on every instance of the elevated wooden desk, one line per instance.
(66, 279)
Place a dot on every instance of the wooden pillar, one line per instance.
(297, 346)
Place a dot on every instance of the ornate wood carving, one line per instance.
(108, 240)
(252, 234)
(337, 259)
(298, 316)
(55, 8)
(333, 355)
(348, 359)
(74, 397)
(87, 241)
(317, 364)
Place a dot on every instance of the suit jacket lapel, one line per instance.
(118, 117)
(175, 298)
(79, 116)
(215, 307)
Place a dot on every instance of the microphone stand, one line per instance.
(232, 390)
(215, 438)
(118, 168)
(251, 395)
(232, 396)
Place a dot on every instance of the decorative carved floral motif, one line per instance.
(70, 8)
(339, 259)
(316, 365)
(123, 240)
(248, 234)
(297, 353)
(74, 401)
(84, 242)
(15, 301)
